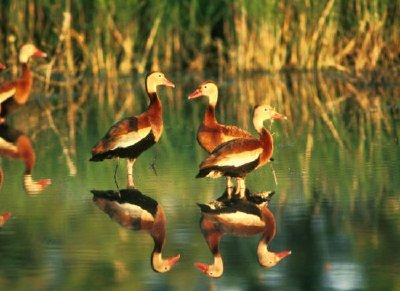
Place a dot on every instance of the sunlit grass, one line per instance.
(110, 38)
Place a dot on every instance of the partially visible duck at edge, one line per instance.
(16, 145)
(238, 157)
(211, 133)
(14, 94)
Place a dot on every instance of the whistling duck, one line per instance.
(3, 218)
(19, 89)
(131, 136)
(2, 66)
(211, 134)
(133, 210)
(242, 218)
(238, 157)
(16, 145)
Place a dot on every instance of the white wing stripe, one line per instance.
(239, 159)
(7, 94)
(5, 145)
(241, 218)
(131, 138)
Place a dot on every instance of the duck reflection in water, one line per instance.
(3, 218)
(133, 210)
(16, 145)
(241, 218)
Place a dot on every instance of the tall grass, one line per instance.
(112, 38)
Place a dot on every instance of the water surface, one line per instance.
(336, 203)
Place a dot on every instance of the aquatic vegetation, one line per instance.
(110, 38)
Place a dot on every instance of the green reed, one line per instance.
(117, 37)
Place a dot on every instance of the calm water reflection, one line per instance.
(240, 218)
(133, 210)
(336, 205)
(14, 144)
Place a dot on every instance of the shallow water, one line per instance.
(336, 206)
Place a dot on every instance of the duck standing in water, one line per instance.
(238, 157)
(15, 94)
(211, 134)
(131, 136)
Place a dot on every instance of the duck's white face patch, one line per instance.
(131, 138)
(239, 159)
(7, 94)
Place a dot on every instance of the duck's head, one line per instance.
(5, 216)
(215, 270)
(208, 89)
(265, 112)
(155, 79)
(161, 265)
(29, 50)
(270, 259)
(35, 187)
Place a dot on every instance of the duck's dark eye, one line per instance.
(205, 87)
(159, 75)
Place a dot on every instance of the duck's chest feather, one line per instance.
(209, 137)
(154, 119)
(211, 134)
(267, 143)
(24, 86)
(16, 93)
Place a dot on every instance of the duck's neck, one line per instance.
(26, 153)
(267, 142)
(153, 97)
(157, 260)
(209, 116)
(155, 106)
(151, 88)
(25, 83)
(218, 265)
(26, 72)
(157, 230)
(270, 226)
(29, 163)
(268, 234)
